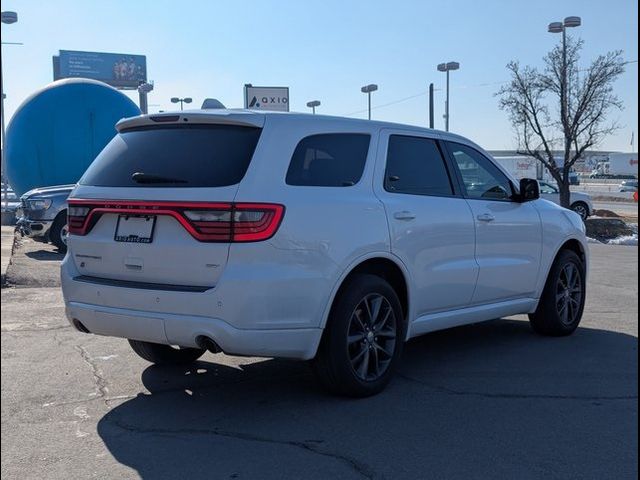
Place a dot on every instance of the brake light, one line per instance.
(253, 222)
(76, 216)
(206, 222)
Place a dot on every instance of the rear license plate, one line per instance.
(135, 229)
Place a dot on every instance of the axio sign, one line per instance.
(266, 98)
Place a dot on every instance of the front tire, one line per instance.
(363, 340)
(59, 233)
(562, 303)
(165, 354)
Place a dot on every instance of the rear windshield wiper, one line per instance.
(141, 177)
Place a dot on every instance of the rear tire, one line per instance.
(581, 209)
(165, 354)
(363, 339)
(58, 233)
(562, 303)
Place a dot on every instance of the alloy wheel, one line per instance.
(569, 294)
(371, 340)
(581, 210)
(64, 233)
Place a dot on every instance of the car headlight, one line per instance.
(38, 204)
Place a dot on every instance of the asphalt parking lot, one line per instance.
(490, 400)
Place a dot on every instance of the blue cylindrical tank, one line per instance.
(57, 132)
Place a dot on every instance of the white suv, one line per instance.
(309, 237)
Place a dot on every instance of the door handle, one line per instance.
(486, 217)
(404, 215)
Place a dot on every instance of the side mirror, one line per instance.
(529, 190)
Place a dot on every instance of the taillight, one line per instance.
(76, 216)
(206, 222)
(253, 222)
(212, 225)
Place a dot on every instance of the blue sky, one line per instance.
(326, 50)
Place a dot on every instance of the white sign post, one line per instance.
(266, 98)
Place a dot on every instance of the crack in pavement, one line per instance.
(311, 446)
(451, 391)
(45, 329)
(101, 387)
(87, 400)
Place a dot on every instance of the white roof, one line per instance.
(257, 118)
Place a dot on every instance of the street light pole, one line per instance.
(447, 67)
(181, 101)
(561, 27)
(313, 104)
(446, 106)
(368, 89)
(7, 18)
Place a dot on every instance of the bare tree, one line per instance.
(562, 108)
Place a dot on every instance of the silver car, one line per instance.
(43, 215)
(629, 186)
(10, 204)
(580, 202)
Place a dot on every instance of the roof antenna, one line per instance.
(212, 103)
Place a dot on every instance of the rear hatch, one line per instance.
(156, 206)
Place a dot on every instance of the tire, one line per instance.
(165, 354)
(562, 303)
(355, 334)
(581, 209)
(59, 231)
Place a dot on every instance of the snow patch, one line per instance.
(631, 240)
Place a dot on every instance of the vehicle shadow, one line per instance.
(45, 255)
(489, 400)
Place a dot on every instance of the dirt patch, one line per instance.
(605, 214)
(605, 229)
(33, 264)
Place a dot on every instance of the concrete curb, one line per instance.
(8, 248)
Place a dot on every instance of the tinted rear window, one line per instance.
(416, 166)
(329, 160)
(175, 156)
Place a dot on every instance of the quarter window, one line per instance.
(481, 178)
(329, 160)
(547, 189)
(416, 166)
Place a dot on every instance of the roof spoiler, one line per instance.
(207, 116)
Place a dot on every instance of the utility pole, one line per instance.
(431, 105)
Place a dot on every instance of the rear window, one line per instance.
(329, 160)
(175, 156)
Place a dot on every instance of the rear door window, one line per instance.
(329, 160)
(175, 156)
(416, 166)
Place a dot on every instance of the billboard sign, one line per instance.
(266, 98)
(120, 70)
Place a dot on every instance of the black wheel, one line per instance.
(165, 354)
(363, 339)
(581, 209)
(562, 303)
(59, 232)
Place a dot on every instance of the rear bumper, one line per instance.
(183, 330)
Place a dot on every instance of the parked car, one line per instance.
(10, 203)
(43, 215)
(574, 178)
(309, 237)
(629, 186)
(581, 203)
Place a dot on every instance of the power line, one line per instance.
(424, 93)
(458, 87)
